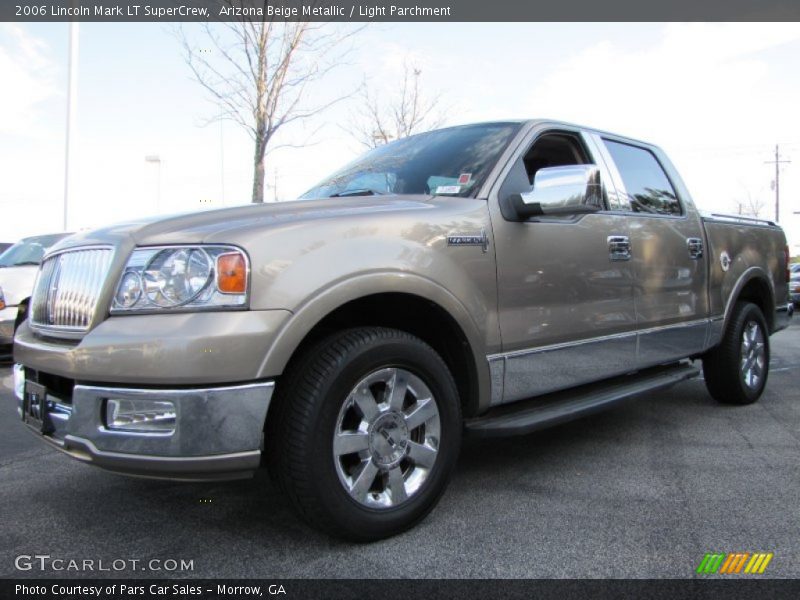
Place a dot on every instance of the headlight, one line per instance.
(182, 277)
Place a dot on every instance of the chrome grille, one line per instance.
(67, 289)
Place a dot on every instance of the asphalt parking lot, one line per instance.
(644, 490)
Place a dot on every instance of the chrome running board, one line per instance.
(544, 411)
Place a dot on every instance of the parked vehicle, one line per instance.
(18, 267)
(488, 279)
(794, 285)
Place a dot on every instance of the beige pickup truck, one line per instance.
(485, 280)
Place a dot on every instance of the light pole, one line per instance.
(72, 111)
(155, 159)
(222, 160)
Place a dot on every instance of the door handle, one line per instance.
(695, 246)
(619, 247)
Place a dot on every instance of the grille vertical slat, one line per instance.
(67, 289)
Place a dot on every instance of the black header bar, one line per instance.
(734, 588)
(398, 10)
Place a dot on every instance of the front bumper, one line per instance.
(192, 349)
(217, 433)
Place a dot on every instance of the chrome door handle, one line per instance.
(619, 247)
(695, 246)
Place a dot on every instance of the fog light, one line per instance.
(140, 415)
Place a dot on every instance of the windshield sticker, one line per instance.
(448, 189)
(464, 178)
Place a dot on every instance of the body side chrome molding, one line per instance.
(532, 371)
(559, 346)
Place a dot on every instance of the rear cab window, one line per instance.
(647, 187)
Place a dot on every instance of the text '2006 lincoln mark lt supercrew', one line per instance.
(488, 279)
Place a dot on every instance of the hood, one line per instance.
(228, 224)
(17, 283)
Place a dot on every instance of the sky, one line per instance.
(717, 97)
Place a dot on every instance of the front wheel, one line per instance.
(365, 433)
(736, 371)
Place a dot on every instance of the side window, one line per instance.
(550, 150)
(646, 183)
(553, 150)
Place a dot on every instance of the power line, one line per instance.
(777, 162)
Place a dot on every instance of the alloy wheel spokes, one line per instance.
(753, 355)
(422, 455)
(350, 443)
(397, 485)
(421, 412)
(361, 485)
(387, 438)
(396, 389)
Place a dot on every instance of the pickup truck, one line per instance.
(483, 280)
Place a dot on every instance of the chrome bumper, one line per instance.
(783, 315)
(217, 433)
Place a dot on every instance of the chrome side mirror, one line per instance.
(558, 191)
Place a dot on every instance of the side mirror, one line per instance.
(559, 191)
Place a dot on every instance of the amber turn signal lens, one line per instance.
(231, 274)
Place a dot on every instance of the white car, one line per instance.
(18, 267)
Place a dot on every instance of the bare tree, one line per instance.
(259, 73)
(408, 111)
(749, 205)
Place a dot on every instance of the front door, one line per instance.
(565, 284)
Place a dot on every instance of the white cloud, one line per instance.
(692, 72)
(27, 74)
(710, 94)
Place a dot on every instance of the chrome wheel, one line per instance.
(387, 438)
(753, 355)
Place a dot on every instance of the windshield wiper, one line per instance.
(26, 263)
(359, 192)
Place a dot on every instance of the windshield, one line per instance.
(28, 251)
(453, 161)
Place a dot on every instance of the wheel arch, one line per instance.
(753, 286)
(406, 302)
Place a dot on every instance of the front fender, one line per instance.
(325, 301)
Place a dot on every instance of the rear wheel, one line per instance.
(736, 371)
(365, 433)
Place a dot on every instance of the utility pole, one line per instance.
(777, 162)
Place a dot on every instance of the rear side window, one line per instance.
(647, 186)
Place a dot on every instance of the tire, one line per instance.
(736, 371)
(337, 419)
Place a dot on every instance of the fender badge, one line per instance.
(469, 240)
(725, 261)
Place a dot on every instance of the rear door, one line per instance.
(667, 252)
